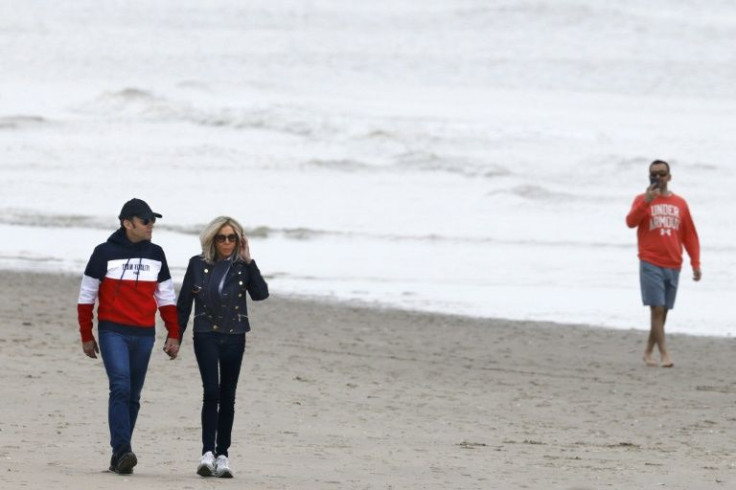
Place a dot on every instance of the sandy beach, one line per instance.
(335, 396)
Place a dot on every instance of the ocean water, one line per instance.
(472, 157)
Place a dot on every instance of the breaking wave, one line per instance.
(536, 193)
(344, 165)
(22, 218)
(138, 103)
(428, 161)
(21, 121)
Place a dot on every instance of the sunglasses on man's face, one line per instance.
(146, 221)
(232, 237)
(661, 173)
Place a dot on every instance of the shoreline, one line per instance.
(624, 313)
(336, 395)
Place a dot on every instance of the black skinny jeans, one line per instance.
(219, 357)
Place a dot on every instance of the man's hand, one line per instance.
(697, 274)
(171, 347)
(90, 348)
(652, 192)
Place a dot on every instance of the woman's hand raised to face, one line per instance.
(245, 249)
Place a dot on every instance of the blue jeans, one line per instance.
(219, 357)
(126, 362)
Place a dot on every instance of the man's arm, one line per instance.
(85, 314)
(691, 242)
(165, 298)
(638, 212)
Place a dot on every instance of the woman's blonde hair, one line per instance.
(207, 237)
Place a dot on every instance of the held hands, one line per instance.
(245, 249)
(171, 347)
(90, 348)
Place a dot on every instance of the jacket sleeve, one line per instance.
(184, 303)
(86, 305)
(638, 212)
(94, 273)
(257, 287)
(165, 296)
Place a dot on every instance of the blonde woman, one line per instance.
(216, 282)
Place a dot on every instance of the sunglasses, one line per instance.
(661, 173)
(146, 221)
(232, 237)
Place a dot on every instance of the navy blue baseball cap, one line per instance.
(137, 207)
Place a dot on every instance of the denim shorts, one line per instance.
(658, 285)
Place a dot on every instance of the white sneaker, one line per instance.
(222, 467)
(206, 464)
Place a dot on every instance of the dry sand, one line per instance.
(343, 397)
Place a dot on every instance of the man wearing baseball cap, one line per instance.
(129, 278)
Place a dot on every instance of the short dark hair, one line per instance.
(660, 162)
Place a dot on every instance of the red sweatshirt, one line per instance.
(664, 226)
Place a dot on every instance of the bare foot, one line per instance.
(667, 362)
(649, 360)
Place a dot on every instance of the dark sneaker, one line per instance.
(123, 464)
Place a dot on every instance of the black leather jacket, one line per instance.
(229, 313)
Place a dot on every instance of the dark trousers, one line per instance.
(219, 357)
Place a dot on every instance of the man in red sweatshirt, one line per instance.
(664, 226)
(129, 279)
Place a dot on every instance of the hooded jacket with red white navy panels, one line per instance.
(130, 280)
